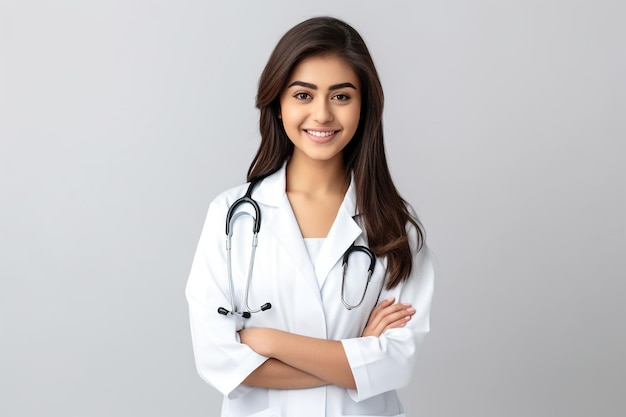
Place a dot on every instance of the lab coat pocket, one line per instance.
(387, 405)
(254, 403)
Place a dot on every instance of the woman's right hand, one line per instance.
(387, 315)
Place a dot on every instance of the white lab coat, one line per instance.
(306, 299)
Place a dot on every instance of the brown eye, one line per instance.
(302, 96)
(342, 97)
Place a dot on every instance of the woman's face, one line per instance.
(320, 107)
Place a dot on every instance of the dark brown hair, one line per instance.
(384, 212)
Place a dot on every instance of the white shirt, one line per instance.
(313, 247)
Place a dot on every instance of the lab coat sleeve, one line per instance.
(221, 360)
(381, 364)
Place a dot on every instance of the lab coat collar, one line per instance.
(282, 222)
(274, 190)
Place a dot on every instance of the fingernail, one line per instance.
(411, 310)
(406, 304)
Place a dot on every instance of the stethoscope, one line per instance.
(232, 215)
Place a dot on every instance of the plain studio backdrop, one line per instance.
(505, 128)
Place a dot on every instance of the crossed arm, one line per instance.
(304, 362)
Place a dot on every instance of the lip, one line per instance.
(321, 139)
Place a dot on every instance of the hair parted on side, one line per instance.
(383, 210)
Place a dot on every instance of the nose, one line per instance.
(323, 112)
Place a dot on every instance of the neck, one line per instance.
(316, 177)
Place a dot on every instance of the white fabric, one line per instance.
(313, 247)
(284, 276)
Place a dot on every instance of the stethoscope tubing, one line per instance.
(232, 216)
(344, 267)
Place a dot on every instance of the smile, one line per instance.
(321, 134)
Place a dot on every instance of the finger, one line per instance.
(387, 315)
(393, 317)
(392, 309)
(398, 320)
(398, 324)
(375, 326)
(380, 307)
(398, 315)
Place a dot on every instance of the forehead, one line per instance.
(324, 70)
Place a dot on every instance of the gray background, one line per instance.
(121, 120)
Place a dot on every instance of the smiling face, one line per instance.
(320, 107)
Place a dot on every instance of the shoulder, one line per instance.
(228, 197)
(268, 190)
(218, 207)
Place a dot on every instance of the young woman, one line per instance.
(283, 327)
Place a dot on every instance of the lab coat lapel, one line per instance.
(281, 222)
(343, 233)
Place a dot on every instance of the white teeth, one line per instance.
(320, 134)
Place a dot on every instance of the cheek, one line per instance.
(290, 117)
(353, 117)
(291, 122)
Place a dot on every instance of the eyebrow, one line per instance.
(314, 87)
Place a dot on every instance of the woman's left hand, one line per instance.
(387, 315)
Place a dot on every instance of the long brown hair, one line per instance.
(384, 211)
